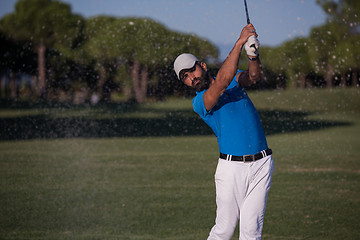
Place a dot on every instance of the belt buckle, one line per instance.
(251, 156)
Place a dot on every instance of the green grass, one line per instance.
(80, 173)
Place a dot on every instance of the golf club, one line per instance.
(247, 13)
(248, 20)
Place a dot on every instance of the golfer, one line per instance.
(245, 165)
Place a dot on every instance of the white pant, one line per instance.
(241, 193)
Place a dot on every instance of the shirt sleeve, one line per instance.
(198, 101)
(199, 105)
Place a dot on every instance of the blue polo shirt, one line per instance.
(234, 120)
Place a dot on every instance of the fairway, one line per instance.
(123, 171)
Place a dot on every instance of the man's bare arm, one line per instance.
(228, 70)
(251, 76)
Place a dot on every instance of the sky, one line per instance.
(219, 21)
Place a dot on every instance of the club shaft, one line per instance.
(247, 13)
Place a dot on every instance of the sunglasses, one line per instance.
(182, 72)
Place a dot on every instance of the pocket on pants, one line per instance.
(221, 169)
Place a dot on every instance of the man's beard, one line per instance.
(204, 82)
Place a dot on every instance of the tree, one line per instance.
(46, 24)
(344, 12)
(101, 47)
(347, 60)
(15, 57)
(336, 43)
(274, 66)
(156, 46)
(295, 54)
(324, 41)
(141, 44)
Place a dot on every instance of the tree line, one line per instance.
(50, 53)
(329, 57)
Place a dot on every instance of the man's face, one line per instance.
(197, 78)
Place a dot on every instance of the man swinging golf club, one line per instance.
(245, 166)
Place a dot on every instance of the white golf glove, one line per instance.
(252, 46)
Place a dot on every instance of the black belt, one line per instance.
(246, 158)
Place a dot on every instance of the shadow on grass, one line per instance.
(174, 123)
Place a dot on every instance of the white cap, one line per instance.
(184, 61)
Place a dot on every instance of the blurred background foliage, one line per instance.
(49, 53)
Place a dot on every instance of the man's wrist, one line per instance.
(253, 58)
